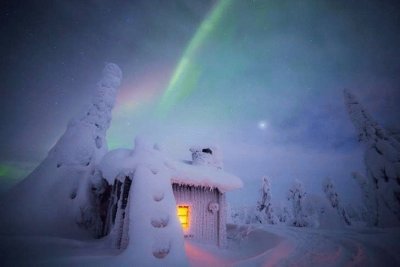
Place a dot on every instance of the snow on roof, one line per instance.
(118, 162)
(203, 175)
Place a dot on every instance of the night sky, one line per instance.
(262, 79)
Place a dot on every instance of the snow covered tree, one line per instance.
(382, 160)
(264, 203)
(333, 198)
(56, 197)
(84, 141)
(296, 196)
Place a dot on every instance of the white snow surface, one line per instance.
(248, 245)
(126, 160)
(203, 175)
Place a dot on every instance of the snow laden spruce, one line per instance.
(264, 205)
(301, 209)
(297, 197)
(54, 198)
(381, 184)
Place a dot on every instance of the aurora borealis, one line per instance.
(186, 74)
(261, 78)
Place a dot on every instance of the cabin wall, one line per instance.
(204, 225)
(222, 238)
(116, 223)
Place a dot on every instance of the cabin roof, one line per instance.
(119, 162)
(203, 175)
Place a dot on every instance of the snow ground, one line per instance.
(291, 246)
(254, 245)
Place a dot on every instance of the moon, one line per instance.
(262, 125)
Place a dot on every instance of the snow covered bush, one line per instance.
(234, 215)
(282, 213)
(382, 161)
(333, 198)
(245, 215)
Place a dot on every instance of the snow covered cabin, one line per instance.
(198, 188)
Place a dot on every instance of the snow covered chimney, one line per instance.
(209, 155)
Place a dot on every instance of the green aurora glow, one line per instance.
(14, 171)
(187, 72)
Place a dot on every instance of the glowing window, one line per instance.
(183, 215)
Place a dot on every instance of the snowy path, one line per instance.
(283, 246)
(317, 247)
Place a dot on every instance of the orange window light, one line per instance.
(183, 215)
